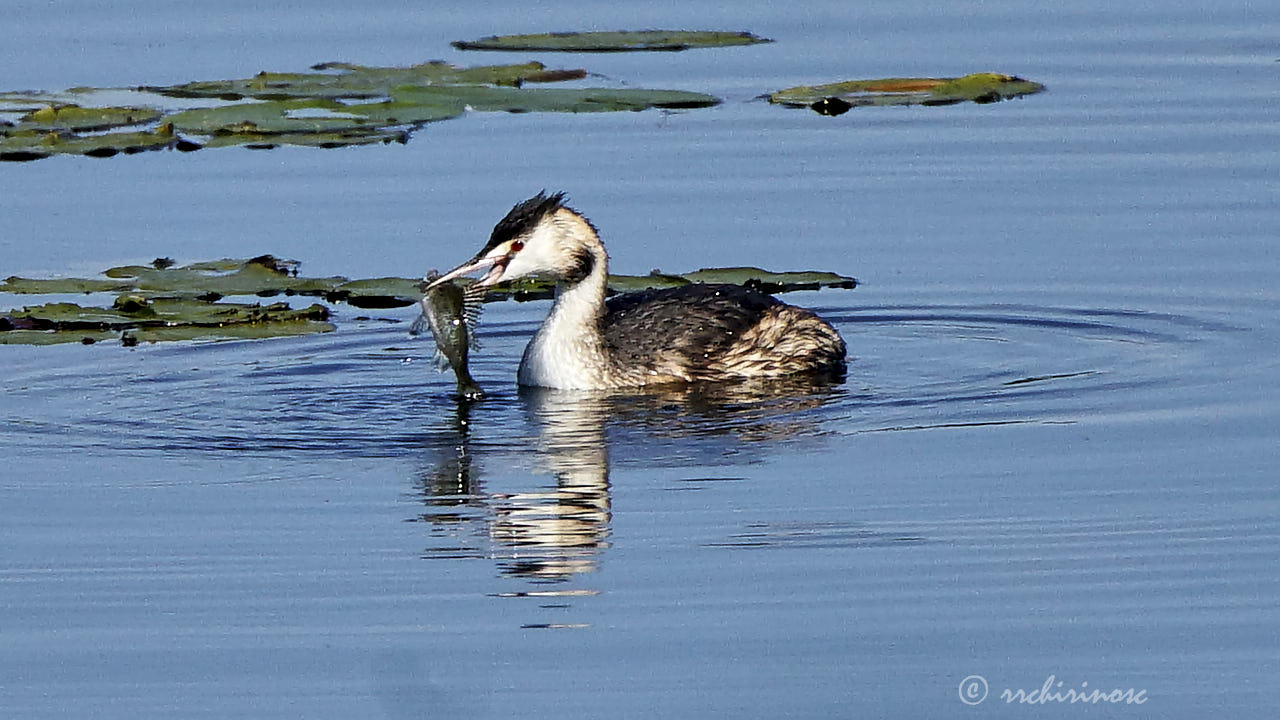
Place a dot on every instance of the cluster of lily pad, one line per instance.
(163, 301)
(340, 104)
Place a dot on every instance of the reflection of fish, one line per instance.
(451, 312)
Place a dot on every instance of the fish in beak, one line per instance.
(495, 262)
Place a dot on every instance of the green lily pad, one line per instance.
(82, 119)
(134, 317)
(130, 311)
(386, 292)
(53, 337)
(269, 118)
(771, 282)
(61, 286)
(35, 146)
(764, 280)
(321, 108)
(25, 102)
(242, 331)
(837, 98)
(162, 301)
(578, 100)
(263, 276)
(617, 41)
(343, 138)
(267, 275)
(348, 80)
(320, 122)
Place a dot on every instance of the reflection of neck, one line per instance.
(572, 438)
(568, 349)
(560, 533)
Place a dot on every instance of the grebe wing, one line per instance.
(693, 321)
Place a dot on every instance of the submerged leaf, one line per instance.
(616, 41)
(837, 98)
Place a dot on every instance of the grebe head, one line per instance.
(540, 236)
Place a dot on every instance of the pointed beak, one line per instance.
(496, 264)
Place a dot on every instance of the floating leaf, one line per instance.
(771, 282)
(320, 108)
(158, 319)
(837, 98)
(359, 81)
(35, 146)
(162, 302)
(764, 280)
(53, 337)
(618, 41)
(384, 292)
(137, 311)
(24, 102)
(241, 331)
(267, 275)
(269, 118)
(264, 276)
(81, 119)
(61, 286)
(495, 99)
(267, 141)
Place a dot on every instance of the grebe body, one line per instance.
(690, 334)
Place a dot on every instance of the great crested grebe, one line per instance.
(690, 334)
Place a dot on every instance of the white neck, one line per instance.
(567, 352)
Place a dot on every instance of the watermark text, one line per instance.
(974, 690)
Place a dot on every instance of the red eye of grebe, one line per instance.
(516, 246)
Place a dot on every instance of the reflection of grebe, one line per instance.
(547, 534)
(559, 532)
(695, 333)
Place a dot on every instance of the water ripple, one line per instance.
(371, 391)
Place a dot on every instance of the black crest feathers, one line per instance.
(523, 218)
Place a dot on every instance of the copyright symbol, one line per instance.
(973, 690)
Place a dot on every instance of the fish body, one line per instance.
(451, 312)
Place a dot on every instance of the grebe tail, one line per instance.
(690, 334)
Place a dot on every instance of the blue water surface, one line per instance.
(1050, 468)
